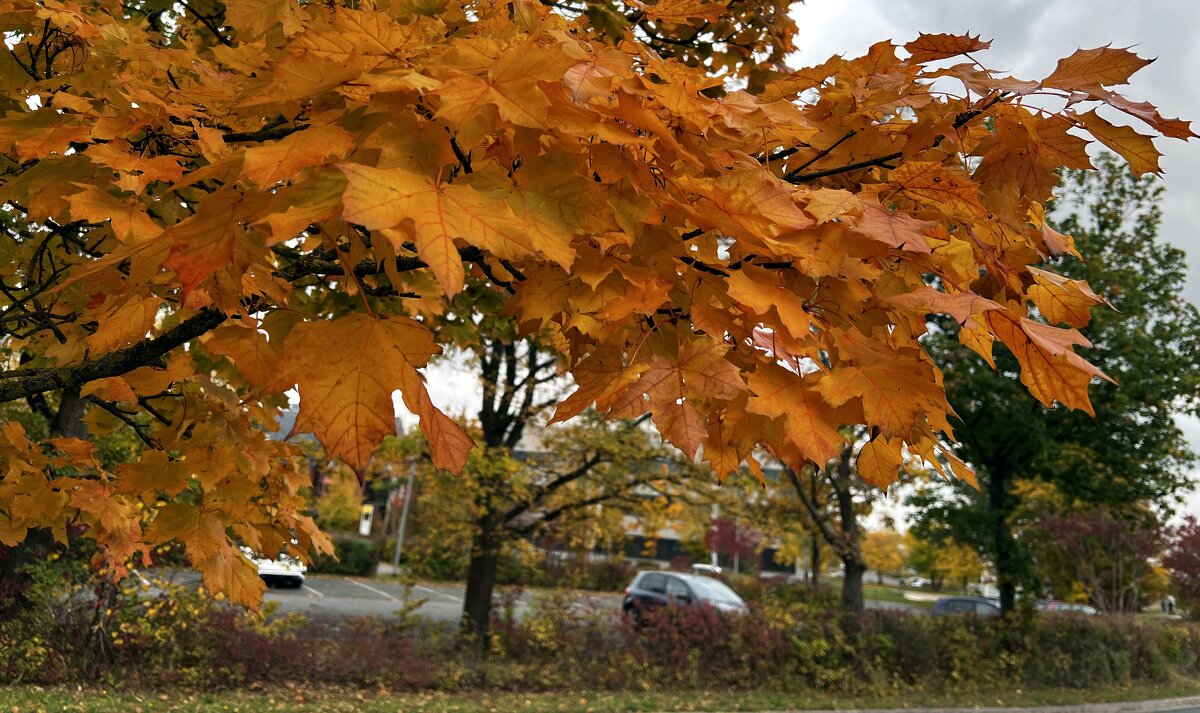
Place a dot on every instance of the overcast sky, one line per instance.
(1028, 38)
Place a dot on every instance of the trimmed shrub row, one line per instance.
(793, 640)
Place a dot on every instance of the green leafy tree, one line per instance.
(573, 485)
(339, 505)
(1132, 450)
(944, 561)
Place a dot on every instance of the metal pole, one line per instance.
(713, 513)
(408, 492)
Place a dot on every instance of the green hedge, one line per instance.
(794, 640)
(352, 555)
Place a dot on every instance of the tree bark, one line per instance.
(481, 580)
(66, 422)
(849, 548)
(853, 601)
(999, 505)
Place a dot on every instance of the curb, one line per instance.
(1155, 706)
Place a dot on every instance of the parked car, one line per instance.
(976, 606)
(284, 570)
(711, 570)
(652, 589)
(916, 582)
(1055, 607)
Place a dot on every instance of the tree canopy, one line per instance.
(208, 205)
(1132, 454)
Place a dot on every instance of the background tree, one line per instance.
(1133, 450)
(1182, 560)
(736, 540)
(1106, 552)
(207, 205)
(943, 562)
(339, 506)
(551, 490)
(838, 524)
(883, 551)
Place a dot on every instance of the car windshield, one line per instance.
(712, 590)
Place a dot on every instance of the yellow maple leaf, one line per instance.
(276, 161)
(932, 47)
(894, 395)
(205, 242)
(879, 461)
(894, 228)
(1135, 148)
(1050, 368)
(808, 420)
(126, 323)
(438, 215)
(349, 407)
(1103, 66)
(1063, 300)
(947, 189)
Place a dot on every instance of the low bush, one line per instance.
(793, 640)
(579, 572)
(438, 565)
(529, 568)
(352, 555)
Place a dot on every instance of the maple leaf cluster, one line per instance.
(206, 208)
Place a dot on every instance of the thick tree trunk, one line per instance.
(852, 589)
(66, 422)
(1002, 539)
(481, 580)
(849, 547)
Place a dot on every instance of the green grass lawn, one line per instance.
(885, 593)
(31, 699)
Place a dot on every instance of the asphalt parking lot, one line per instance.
(330, 596)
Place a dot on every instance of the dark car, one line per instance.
(650, 590)
(977, 606)
(1057, 607)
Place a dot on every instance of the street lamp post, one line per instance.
(408, 492)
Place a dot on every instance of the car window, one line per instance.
(654, 583)
(713, 590)
(958, 606)
(675, 588)
(984, 609)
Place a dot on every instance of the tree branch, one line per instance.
(959, 121)
(817, 516)
(128, 419)
(26, 382)
(820, 155)
(553, 485)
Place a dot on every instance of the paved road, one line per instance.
(328, 596)
(890, 606)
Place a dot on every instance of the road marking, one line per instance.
(372, 589)
(451, 597)
(312, 591)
